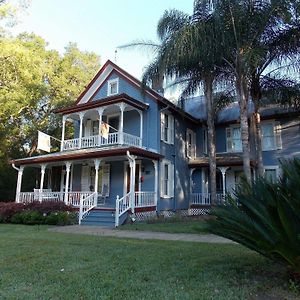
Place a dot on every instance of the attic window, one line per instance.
(113, 87)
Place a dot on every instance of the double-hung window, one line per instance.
(233, 139)
(167, 128)
(190, 143)
(113, 87)
(271, 136)
(271, 174)
(167, 179)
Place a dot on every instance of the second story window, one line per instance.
(271, 136)
(113, 87)
(233, 139)
(190, 143)
(167, 128)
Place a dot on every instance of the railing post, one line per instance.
(117, 212)
(81, 115)
(80, 209)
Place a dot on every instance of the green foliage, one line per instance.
(266, 217)
(61, 218)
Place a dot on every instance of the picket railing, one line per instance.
(86, 204)
(28, 197)
(94, 141)
(75, 197)
(144, 199)
(122, 205)
(205, 198)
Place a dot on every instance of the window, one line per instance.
(233, 139)
(271, 136)
(205, 141)
(167, 179)
(190, 143)
(167, 128)
(95, 127)
(113, 87)
(271, 174)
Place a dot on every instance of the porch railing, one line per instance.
(122, 205)
(204, 198)
(28, 197)
(144, 199)
(74, 198)
(94, 141)
(86, 204)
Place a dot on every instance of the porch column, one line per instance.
(63, 133)
(141, 128)
(155, 165)
(81, 115)
(121, 129)
(19, 183)
(191, 181)
(223, 171)
(100, 112)
(132, 165)
(97, 165)
(68, 167)
(43, 169)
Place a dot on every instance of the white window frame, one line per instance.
(205, 140)
(109, 85)
(276, 168)
(229, 140)
(277, 143)
(190, 143)
(170, 180)
(167, 133)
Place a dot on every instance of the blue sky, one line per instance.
(99, 26)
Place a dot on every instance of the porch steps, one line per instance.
(100, 217)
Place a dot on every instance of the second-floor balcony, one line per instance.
(96, 141)
(110, 122)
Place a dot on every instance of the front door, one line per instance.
(137, 178)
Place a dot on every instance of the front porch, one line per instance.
(121, 184)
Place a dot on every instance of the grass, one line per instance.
(38, 264)
(170, 226)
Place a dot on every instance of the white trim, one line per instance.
(275, 167)
(229, 140)
(126, 164)
(110, 83)
(276, 131)
(190, 148)
(170, 129)
(171, 179)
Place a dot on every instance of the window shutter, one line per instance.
(277, 133)
(105, 180)
(162, 178)
(187, 143)
(88, 128)
(229, 139)
(171, 130)
(162, 126)
(85, 178)
(194, 145)
(171, 180)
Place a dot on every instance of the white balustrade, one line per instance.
(27, 197)
(86, 204)
(144, 199)
(75, 197)
(71, 144)
(132, 140)
(205, 198)
(90, 141)
(122, 205)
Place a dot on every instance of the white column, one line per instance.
(68, 167)
(19, 183)
(100, 112)
(63, 133)
(81, 115)
(43, 169)
(97, 165)
(141, 128)
(223, 171)
(121, 129)
(155, 164)
(191, 181)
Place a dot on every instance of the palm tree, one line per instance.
(190, 51)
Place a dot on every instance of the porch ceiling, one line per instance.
(85, 154)
(226, 160)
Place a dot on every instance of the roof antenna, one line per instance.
(116, 51)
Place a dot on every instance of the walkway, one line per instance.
(144, 235)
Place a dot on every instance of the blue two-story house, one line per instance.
(133, 151)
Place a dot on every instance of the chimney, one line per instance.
(157, 84)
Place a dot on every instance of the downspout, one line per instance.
(14, 166)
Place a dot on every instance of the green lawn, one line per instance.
(37, 264)
(188, 226)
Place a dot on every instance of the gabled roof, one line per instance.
(100, 78)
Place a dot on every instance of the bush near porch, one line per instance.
(47, 212)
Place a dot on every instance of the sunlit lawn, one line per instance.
(37, 264)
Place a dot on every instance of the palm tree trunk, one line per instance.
(208, 92)
(242, 93)
(258, 139)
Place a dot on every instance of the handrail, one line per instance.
(205, 198)
(86, 204)
(122, 205)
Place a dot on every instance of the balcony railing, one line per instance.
(96, 141)
(204, 198)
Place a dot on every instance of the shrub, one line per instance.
(61, 218)
(266, 217)
(32, 217)
(8, 209)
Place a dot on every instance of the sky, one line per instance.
(99, 26)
